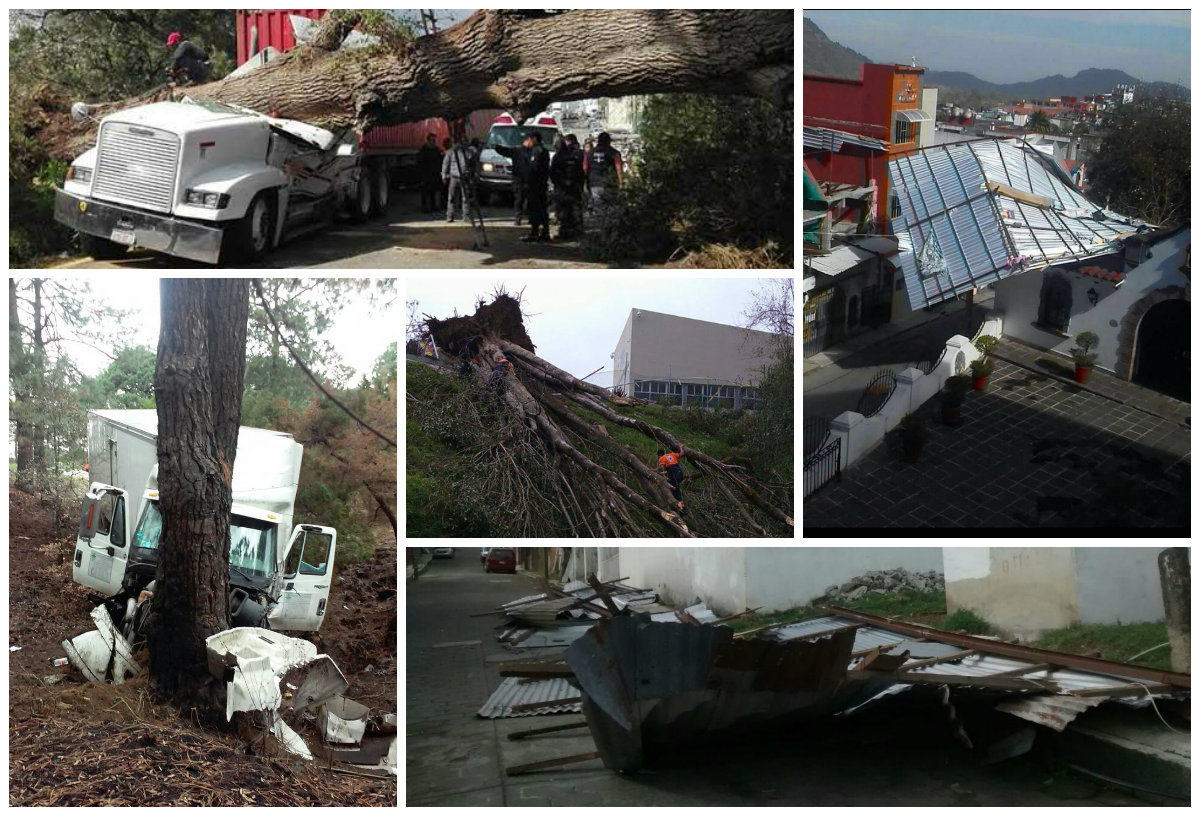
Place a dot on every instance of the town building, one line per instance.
(663, 357)
(1136, 300)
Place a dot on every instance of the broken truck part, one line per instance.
(102, 655)
(650, 687)
(279, 575)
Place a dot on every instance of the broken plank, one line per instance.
(555, 669)
(1021, 672)
(517, 770)
(881, 661)
(957, 680)
(533, 732)
(612, 608)
(931, 661)
(1019, 195)
(886, 648)
(548, 704)
(769, 626)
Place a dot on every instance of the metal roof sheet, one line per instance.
(816, 138)
(839, 259)
(955, 233)
(914, 115)
(512, 692)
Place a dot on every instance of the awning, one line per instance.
(839, 260)
(914, 115)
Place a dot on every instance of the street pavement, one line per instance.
(1121, 460)
(405, 239)
(901, 754)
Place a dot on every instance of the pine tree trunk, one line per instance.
(16, 362)
(198, 388)
(513, 60)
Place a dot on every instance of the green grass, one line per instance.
(965, 620)
(1112, 642)
(910, 606)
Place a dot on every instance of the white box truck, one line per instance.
(278, 576)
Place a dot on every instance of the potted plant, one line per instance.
(981, 368)
(912, 437)
(1083, 356)
(986, 344)
(953, 395)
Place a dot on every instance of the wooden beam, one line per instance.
(882, 661)
(958, 680)
(1129, 690)
(541, 670)
(612, 608)
(886, 648)
(517, 770)
(930, 661)
(548, 704)
(533, 732)
(769, 626)
(1019, 195)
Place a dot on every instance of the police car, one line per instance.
(495, 171)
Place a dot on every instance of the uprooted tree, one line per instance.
(511, 59)
(541, 449)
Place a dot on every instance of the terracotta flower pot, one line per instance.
(978, 383)
(1081, 373)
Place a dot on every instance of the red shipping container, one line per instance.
(259, 28)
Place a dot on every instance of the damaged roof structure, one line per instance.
(647, 687)
(972, 213)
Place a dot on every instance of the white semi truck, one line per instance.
(213, 182)
(278, 576)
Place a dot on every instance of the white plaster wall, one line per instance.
(1119, 584)
(1018, 298)
(716, 575)
(783, 577)
(1020, 590)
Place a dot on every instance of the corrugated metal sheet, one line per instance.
(955, 234)
(558, 636)
(542, 613)
(839, 259)
(1051, 710)
(512, 692)
(816, 138)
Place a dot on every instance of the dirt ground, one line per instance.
(78, 743)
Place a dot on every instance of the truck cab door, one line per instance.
(102, 548)
(307, 576)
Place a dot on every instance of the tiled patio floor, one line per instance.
(1099, 462)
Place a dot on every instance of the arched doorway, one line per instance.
(1163, 353)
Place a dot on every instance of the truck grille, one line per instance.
(137, 165)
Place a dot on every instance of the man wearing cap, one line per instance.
(190, 64)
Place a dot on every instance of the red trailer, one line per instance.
(393, 146)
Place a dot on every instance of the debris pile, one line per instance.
(883, 582)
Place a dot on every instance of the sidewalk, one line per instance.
(1099, 382)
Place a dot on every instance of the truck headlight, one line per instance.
(211, 201)
(83, 175)
(488, 168)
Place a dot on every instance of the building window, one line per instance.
(916, 131)
(903, 132)
(1054, 310)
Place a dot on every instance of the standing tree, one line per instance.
(198, 386)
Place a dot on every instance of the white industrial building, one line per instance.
(692, 362)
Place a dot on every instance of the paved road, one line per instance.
(406, 239)
(902, 755)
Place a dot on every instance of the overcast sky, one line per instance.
(1015, 46)
(575, 322)
(360, 335)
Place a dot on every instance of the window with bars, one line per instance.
(904, 132)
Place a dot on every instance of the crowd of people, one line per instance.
(573, 178)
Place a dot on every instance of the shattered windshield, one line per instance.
(251, 541)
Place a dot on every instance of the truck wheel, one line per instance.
(381, 191)
(362, 202)
(250, 238)
(102, 249)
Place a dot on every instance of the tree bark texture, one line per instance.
(16, 358)
(1175, 571)
(198, 385)
(505, 59)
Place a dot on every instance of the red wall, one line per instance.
(274, 29)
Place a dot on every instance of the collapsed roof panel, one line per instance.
(977, 212)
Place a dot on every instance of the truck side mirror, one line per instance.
(89, 518)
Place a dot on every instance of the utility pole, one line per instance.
(1175, 572)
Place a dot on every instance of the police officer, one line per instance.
(531, 170)
(566, 171)
(605, 171)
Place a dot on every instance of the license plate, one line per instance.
(126, 237)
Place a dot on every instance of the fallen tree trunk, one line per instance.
(598, 485)
(516, 61)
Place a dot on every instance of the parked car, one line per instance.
(443, 552)
(501, 559)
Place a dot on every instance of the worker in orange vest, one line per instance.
(670, 463)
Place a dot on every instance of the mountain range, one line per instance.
(824, 57)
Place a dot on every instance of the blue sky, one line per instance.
(1014, 46)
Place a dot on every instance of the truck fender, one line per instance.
(241, 182)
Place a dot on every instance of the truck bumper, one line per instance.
(496, 184)
(158, 233)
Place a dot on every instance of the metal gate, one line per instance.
(819, 322)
